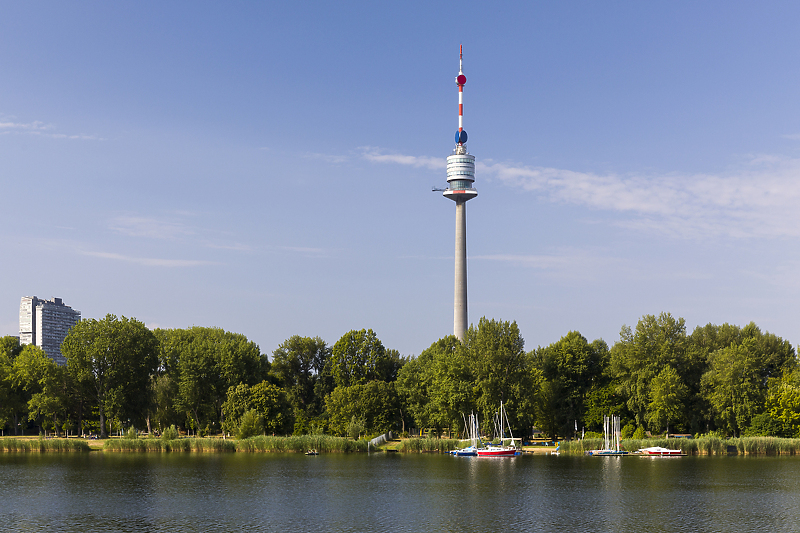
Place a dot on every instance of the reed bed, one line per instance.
(296, 444)
(301, 444)
(43, 445)
(705, 445)
(173, 445)
(428, 445)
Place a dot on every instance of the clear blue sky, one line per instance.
(266, 167)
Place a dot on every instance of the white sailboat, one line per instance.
(611, 437)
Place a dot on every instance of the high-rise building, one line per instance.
(460, 178)
(45, 323)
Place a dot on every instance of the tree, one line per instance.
(733, 386)
(640, 356)
(115, 359)
(783, 404)
(573, 366)
(12, 400)
(666, 399)
(437, 386)
(266, 400)
(42, 382)
(297, 365)
(359, 357)
(376, 403)
(502, 372)
(738, 376)
(203, 364)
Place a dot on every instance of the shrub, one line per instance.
(628, 431)
(355, 427)
(171, 433)
(252, 424)
(131, 433)
(639, 434)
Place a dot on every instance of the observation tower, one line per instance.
(460, 178)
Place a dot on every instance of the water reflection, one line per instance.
(254, 492)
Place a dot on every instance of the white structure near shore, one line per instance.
(45, 323)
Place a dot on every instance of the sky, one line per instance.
(266, 167)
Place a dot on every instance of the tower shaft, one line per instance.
(460, 292)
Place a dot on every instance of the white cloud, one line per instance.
(41, 129)
(148, 261)
(328, 158)
(30, 126)
(154, 228)
(377, 156)
(758, 199)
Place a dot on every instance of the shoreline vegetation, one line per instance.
(706, 445)
(120, 377)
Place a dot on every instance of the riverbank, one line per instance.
(330, 444)
(42, 445)
(699, 446)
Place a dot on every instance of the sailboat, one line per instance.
(501, 422)
(473, 434)
(611, 438)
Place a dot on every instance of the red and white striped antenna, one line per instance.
(461, 135)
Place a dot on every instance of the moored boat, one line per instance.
(611, 438)
(501, 422)
(658, 451)
(472, 430)
(498, 451)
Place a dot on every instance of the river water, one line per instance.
(395, 492)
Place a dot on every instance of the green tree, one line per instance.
(573, 366)
(252, 424)
(737, 381)
(359, 357)
(45, 385)
(115, 359)
(502, 372)
(297, 365)
(783, 404)
(268, 401)
(12, 398)
(376, 403)
(666, 399)
(733, 385)
(640, 356)
(436, 387)
(204, 363)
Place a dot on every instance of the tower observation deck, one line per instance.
(460, 180)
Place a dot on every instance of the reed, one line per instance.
(174, 445)
(703, 445)
(580, 446)
(41, 445)
(302, 444)
(295, 444)
(428, 445)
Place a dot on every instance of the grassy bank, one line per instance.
(296, 444)
(43, 445)
(428, 445)
(699, 446)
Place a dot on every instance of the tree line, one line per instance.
(719, 378)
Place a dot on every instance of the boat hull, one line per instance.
(498, 452)
(661, 452)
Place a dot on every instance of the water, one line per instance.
(379, 492)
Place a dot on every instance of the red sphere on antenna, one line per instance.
(461, 79)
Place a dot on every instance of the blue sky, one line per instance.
(267, 167)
